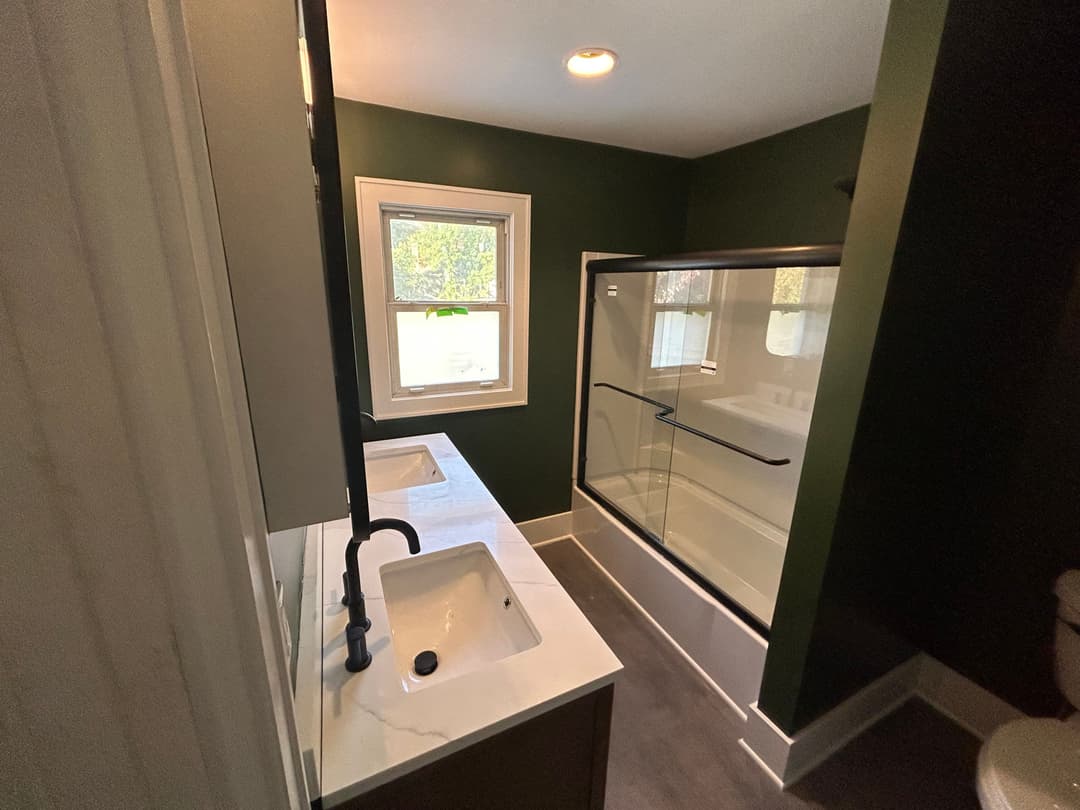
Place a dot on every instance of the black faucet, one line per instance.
(363, 527)
(359, 623)
(339, 307)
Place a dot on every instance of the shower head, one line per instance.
(846, 185)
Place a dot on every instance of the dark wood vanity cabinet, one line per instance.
(556, 761)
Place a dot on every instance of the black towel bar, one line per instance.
(664, 416)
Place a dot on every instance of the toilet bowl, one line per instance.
(1031, 764)
(1034, 763)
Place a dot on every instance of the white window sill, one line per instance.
(436, 404)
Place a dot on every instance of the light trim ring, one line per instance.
(591, 63)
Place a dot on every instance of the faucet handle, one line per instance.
(358, 657)
(366, 419)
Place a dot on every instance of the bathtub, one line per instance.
(728, 650)
(739, 553)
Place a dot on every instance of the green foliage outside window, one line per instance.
(789, 285)
(683, 287)
(443, 261)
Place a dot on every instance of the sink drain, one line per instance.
(425, 662)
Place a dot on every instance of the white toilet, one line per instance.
(1034, 763)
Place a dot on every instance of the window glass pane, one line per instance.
(443, 261)
(788, 285)
(784, 335)
(435, 350)
(683, 287)
(802, 304)
(680, 338)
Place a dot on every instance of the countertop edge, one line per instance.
(461, 743)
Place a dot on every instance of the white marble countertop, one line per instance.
(372, 729)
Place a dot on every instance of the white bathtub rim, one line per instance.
(682, 576)
(769, 530)
(758, 598)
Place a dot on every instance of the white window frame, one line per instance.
(800, 308)
(714, 306)
(375, 198)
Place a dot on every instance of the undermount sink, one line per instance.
(401, 468)
(458, 604)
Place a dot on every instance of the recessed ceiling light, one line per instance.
(590, 63)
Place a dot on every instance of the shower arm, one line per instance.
(664, 415)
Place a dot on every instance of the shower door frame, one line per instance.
(823, 255)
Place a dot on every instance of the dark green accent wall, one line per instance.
(584, 197)
(777, 190)
(587, 197)
(938, 498)
(792, 693)
(959, 502)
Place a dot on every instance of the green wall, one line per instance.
(959, 504)
(882, 559)
(798, 684)
(777, 190)
(587, 197)
(584, 197)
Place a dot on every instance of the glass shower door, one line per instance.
(701, 385)
(728, 513)
(628, 451)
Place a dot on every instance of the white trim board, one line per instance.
(586, 257)
(963, 701)
(546, 528)
(787, 759)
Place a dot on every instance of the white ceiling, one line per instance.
(694, 76)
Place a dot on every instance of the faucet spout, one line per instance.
(355, 631)
(401, 526)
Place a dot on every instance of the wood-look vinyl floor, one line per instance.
(674, 740)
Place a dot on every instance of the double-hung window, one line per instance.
(445, 275)
(801, 306)
(683, 315)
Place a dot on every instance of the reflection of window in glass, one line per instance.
(801, 305)
(683, 287)
(447, 307)
(682, 318)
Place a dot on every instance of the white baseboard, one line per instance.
(761, 763)
(961, 700)
(788, 759)
(549, 527)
